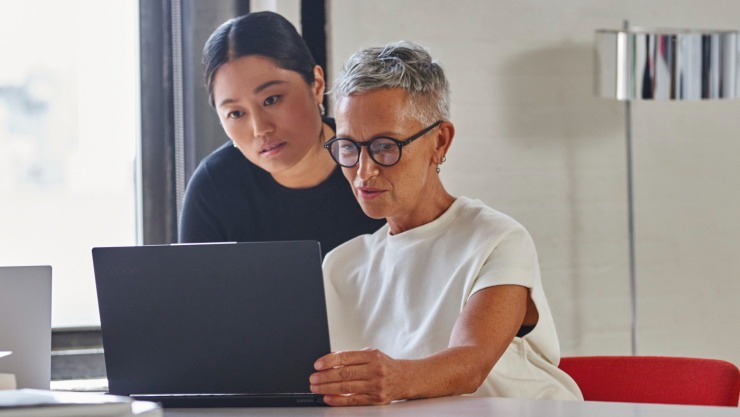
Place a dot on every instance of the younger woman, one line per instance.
(273, 181)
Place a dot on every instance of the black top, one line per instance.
(230, 199)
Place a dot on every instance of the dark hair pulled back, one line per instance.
(261, 33)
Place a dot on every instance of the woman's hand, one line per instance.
(361, 377)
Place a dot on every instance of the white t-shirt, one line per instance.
(403, 293)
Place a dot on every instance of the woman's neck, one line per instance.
(436, 202)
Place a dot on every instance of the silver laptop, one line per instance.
(25, 324)
(202, 325)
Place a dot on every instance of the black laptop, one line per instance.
(213, 325)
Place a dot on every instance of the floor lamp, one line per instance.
(662, 64)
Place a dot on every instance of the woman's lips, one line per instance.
(272, 149)
(368, 193)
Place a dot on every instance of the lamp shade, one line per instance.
(667, 64)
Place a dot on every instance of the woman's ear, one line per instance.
(443, 140)
(319, 84)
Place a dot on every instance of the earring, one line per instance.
(444, 158)
(322, 110)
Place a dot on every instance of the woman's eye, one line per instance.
(235, 114)
(269, 101)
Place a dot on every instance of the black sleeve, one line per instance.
(199, 221)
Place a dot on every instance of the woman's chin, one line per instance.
(373, 211)
(274, 165)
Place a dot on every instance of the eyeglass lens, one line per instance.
(382, 150)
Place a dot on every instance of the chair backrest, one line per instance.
(655, 379)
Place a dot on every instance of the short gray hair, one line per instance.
(404, 65)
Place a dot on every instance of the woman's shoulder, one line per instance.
(224, 157)
(480, 212)
(220, 176)
(484, 220)
(225, 164)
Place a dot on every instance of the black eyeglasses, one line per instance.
(383, 150)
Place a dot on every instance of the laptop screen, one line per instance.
(25, 324)
(211, 318)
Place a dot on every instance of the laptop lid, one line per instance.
(211, 318)
(25, 324)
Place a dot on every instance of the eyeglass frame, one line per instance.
(359, 145)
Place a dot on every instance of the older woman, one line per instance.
(446, 298)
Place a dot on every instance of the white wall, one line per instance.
(290, 9)
(533, 142)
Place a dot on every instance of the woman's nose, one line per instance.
(261, 124)
(366, 167)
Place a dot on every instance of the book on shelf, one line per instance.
(43, 403)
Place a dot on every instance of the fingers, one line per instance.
(343, 373)
(346, 380)
(345, 358)
(346, 387)
(354, 400)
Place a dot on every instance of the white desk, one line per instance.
(474, 407)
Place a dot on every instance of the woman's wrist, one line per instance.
(410, 379)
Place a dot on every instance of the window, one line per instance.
(68, 139)
(103, 117)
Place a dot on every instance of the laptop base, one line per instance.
(232, 400)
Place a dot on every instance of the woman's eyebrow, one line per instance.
(267, 84)
(227, 101)
(257, 90)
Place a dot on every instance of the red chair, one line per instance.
(655, 379)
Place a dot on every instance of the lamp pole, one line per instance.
(631, 219)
